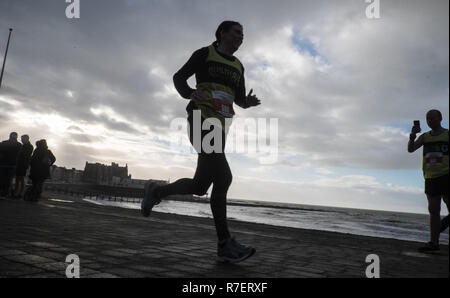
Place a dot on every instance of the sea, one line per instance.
(385, 224)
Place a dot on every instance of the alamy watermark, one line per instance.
(73, 269)
(373, 270)
(373, 9)
(257, 137)
(73, 9)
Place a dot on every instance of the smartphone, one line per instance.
(417, 123)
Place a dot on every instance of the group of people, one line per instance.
(15, 160)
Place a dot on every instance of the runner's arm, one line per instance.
(241, 98)
(190, 68)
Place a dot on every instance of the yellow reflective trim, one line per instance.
(214, 56)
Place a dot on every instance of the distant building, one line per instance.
(97, 173)
(61, 174)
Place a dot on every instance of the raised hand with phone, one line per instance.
(416, 127)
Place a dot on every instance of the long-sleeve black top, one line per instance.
(196, 65)
(23, 160)
(41, 161)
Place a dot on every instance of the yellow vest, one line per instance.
(223, 76)
(435, 155)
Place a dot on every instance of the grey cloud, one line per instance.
(3, 118)
(106, 58)
(111, 47)
(400, 74)
(76, 155)
(73, 156)
(4, 108)
(82, 138)
(347, 192)
(75, 128)
(117, 125)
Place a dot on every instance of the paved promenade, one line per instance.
(35, 239)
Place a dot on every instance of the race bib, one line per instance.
(223, 103)
(434, 158)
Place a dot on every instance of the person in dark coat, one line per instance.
(9, 151)
(23, 162)
(41, 161)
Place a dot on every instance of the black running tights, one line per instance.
(213, 169)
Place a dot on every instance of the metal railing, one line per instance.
(98, 192)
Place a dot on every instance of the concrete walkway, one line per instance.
(35, 239)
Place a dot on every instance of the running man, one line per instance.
(435, 170)
(220, 83)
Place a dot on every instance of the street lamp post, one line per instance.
(4, 59)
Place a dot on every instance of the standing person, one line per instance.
(9, 151)
(220, 82)
(41, 161)
(444, 224)
(2, 168)
(435, 170)
(23, 162)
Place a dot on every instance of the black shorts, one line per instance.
(437, 186)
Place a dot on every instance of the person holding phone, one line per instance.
(435, 166)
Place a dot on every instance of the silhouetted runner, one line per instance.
(435, 170)
(220, 83)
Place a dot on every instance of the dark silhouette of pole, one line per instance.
(4, 59)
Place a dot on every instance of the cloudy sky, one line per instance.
(344, 88)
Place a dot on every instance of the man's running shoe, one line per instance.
(444, 224)
(149, 199)
(232, 251)
(429, 247)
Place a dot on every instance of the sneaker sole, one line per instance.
(234, 261)
(147, 192)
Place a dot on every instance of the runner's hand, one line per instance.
(252, 100)
(199, 95)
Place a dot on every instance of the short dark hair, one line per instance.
(41, 143)
(225, 26)
(437, 112)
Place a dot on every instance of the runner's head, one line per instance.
(230, 33)
(434, 118)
